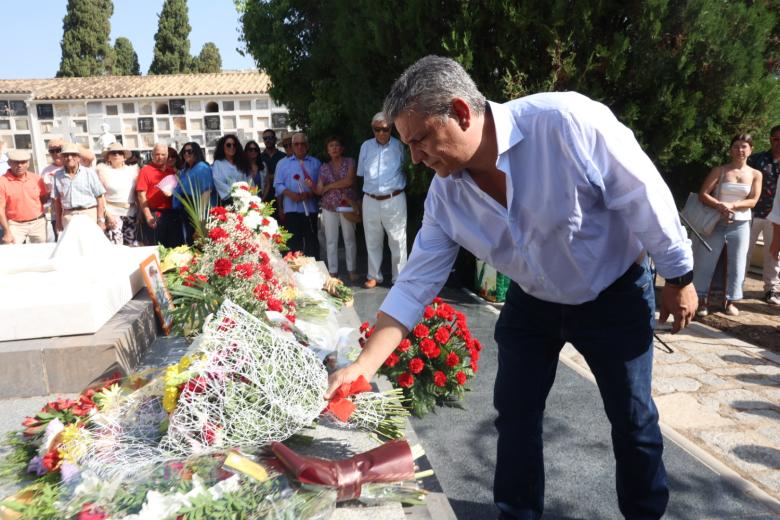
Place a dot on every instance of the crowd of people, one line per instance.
(148, 205)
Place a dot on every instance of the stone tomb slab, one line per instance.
(67, 364)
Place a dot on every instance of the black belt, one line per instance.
(385, 197)
(80, 208)
(25, 221)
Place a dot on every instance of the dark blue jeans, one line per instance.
(614, 333)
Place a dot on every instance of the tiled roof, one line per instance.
(103, 87)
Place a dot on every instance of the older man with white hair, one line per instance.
(160, 222)
(22, 194)
(380, 163)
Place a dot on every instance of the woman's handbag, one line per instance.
(702, 218)
(356, 215)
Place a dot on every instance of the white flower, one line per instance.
(53, 429)
(240, 189)
(269, 225)
(253, 220)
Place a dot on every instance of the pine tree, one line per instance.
(85, 38)
(124, 59)
(209, 59)
(172, 40)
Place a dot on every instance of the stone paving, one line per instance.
(722, 395)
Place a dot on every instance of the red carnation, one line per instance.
(437, 301)
(392, 360)
(274, 305)
(474, 365)
(209, 432)
(364, 326)
(429, 312)
(297, 177)
(245, 270)
(416, 365)
(460, 377)
(223, 266)
(184, 269)
(91, 512)
(442, 335)
(474, 353)
(477, 345)
(404, 345)
(452, 359)
(405, 380)
(420, 331)
(445, 312)
(51, 461)
(217, 234)
(290, 317)
(196, 385)
(429, 348)
(244, 187)
(439, 378)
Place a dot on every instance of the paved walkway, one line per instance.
(723, 396)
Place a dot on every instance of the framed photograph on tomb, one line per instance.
(158, 292)
(146, 124)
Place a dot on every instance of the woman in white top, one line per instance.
(230, 166)
(119, 180)
(733, 189)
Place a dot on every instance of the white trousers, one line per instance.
(331, 220)
(380, 217)
(771, 266)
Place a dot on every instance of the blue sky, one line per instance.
(35, 34)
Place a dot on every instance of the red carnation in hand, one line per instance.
(445, 312)
(416, 365)
(364, 326)
(297, 177)
(392, 360)
(442, 335)
(429, 348)
(452, 359)
(439, 378)
(429, 312)
(405, 380)
(404, 345)
(223, 266)
(218, 234)
(460, 377)
(420, 331)
(477, 345)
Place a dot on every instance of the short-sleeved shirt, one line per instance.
(22, 196)
(290, 175)
(271, 161)
(770, 170)
(193, 182)
(80, 191)
(148, 180)
(335, 198)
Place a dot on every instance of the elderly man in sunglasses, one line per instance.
(380, 163)
(47, 174)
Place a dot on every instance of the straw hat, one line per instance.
(70, 148)
(116, 147)
(19, 155)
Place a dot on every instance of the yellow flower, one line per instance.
(73, 445)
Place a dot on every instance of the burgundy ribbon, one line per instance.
(390, 462)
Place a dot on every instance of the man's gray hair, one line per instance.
(429, 86)
(379, 117)
(300, 134)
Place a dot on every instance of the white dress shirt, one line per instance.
(381, 166)
(583, 202)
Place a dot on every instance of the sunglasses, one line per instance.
(116, 152)
(382, 130)
(286, 145)
(230, 144)
(55, 150)
(186, 151)
(269, 138)
(252, 149)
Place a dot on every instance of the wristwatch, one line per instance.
(681, 281)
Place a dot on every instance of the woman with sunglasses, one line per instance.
(230, 166)
(118, 178)
(195, 187)
(257, 170)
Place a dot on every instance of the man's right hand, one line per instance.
(151, 222)
(8, 238)
(347, 374)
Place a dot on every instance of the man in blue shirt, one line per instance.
(295, 176)
(384, 202)
(554, 191)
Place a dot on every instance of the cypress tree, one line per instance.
(124, 59)
(85, 38)
(209, 59)
(172, 40)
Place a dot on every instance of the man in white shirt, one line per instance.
(47, 174)
(380, 163)
(554, 192)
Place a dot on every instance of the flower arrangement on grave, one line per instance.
(435, 361)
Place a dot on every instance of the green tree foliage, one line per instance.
(209, 59)
(172, 40)
(683, 74)
(124, 60)
(85, 38)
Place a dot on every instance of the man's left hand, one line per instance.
(680, 302)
